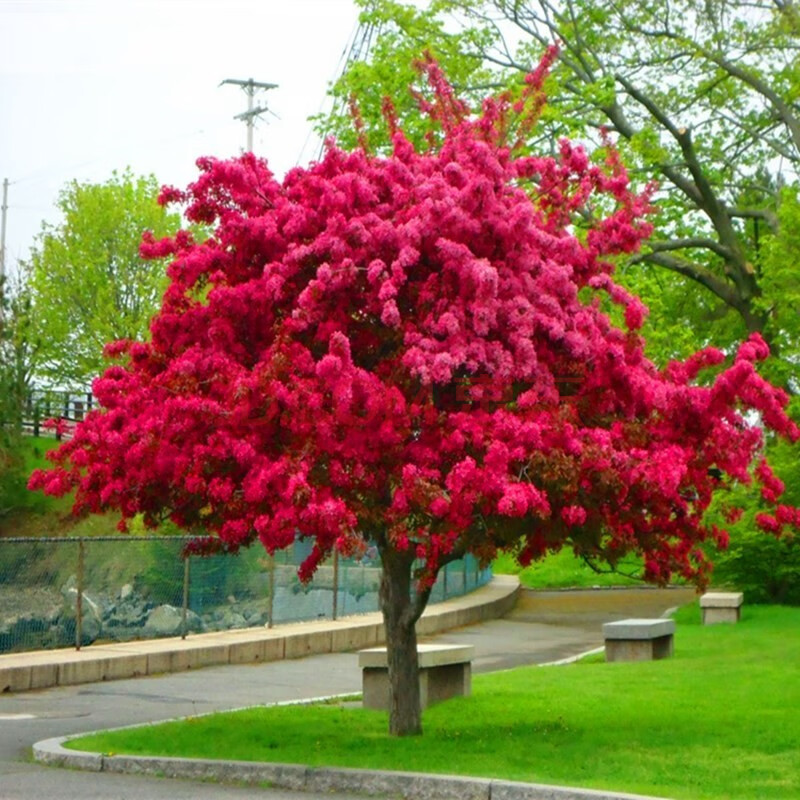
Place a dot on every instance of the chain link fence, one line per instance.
(62, 592)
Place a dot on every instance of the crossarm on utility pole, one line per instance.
(250, 87)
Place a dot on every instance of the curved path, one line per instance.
(543, 627)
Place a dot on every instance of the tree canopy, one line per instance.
(89, 285)
(700, 96)
(17, 354)
(413, 350)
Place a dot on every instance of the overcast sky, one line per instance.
(89, 86)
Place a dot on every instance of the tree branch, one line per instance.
(696, 241)
(756, 213)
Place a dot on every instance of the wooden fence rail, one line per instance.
(71, 405)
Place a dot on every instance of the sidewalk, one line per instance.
(41, 669)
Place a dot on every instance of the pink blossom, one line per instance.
(410, 347)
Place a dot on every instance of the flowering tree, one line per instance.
(416, 351)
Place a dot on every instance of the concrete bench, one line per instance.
(445, 670)
(639, 639)
(721, 607)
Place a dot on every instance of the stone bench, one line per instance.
(445, 670)
(639, 639)
(721, 607)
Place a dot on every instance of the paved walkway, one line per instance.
(544, 626)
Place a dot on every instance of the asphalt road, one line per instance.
(544, 627)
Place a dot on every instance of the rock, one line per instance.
(126, 591)
(256, 617)
(231, 619)
(91, 625)
(126, 616)
(91, 614)
(167, 620)
(89, 604)
(164, 620)
(231, 599)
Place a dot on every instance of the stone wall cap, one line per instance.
(430, 655)
(721, 600)
(638, 628)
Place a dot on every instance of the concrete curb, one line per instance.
(42, 669)
(301, 778)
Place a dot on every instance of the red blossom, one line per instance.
(411, 349)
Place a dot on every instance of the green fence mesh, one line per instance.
(71, 592)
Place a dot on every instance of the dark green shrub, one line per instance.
(766, 569)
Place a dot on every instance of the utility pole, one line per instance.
(3, 214)
(250, 87)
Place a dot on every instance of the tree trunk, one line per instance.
(400, 615)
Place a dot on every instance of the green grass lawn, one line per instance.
(719, 720)
(563, 570)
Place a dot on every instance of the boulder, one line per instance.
(231, 619)
(164, 620)
(167, 620)
(90, 605)
(91, 624)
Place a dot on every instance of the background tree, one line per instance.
(701, 96)
(17, 356)
(412, 351)
(89, 285)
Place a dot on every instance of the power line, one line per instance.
(250, 87)
(357, 49)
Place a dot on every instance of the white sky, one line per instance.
(89, 86)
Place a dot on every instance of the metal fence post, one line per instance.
(79, 598)
(185, 607)
(271, 595)
(345, 584)
(335, 582)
